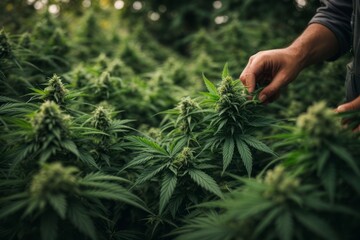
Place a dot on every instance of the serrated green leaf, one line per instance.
(70, 146)
(255, 143)
(245, 154)
(49, 226)
(316, 225)
(210, 86)
(225, 71)
(205, 181)
(168, 185)
(266, 221)
(346, 156)
(149, 173)
(284, 226)
(328, 178)
(58, 202)
(78, 216)
(228, 152)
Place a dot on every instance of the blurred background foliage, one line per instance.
(113, 68)
(149, 37)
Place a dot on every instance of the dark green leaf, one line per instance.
(245, 154)
(168, 185)
(205, 181)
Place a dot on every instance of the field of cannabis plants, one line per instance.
(126, 120)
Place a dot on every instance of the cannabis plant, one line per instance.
(5, 47)
(188, 121)
(233, 121)
(278, 206)
(112, 140)
(178, 168)
(324, 149)
(60, 200)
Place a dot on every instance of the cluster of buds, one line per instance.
(101, 119)
(231, 94)
(119, 69)
(102, 61)
(25, 40)
(50, 122)
(5, 47)
(187, 105)
(58, 42)
(53, 178)
(185, 157)
(319, 122)
(103, 84)
(154, 133)
(55, 90)
(279, 184)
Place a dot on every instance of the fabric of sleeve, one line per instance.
(336, 15)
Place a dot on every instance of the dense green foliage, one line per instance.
(126, 120)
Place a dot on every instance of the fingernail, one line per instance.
(262, 98)
(340, 109)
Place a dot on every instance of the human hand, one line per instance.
(350, 106)
(274, 69)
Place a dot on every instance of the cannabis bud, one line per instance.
(55, 90)
(101, 119)
(58, 42)
(50, 122)
(280, 184)
(103, 84)
(231, 96)
(226, 86)
(319, 122)
(187, 105)
(53, 178)
(25, 40)
(5, 47)
(102, 61)
(183, 158)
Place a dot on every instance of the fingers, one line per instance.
(272, 91)
(250, 72)
(350, 106)
(249, 81)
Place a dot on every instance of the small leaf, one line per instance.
(210, 86)
(225, 71)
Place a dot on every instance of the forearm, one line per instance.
(317, 43)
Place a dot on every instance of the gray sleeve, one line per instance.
(336, 16)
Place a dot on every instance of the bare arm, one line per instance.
(279, 67)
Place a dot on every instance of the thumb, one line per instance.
(350, 106)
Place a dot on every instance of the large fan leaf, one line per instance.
(205, 181)
(245, 154)
(167, 188)
(58, 202)
(253, 142)
(228, 152)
